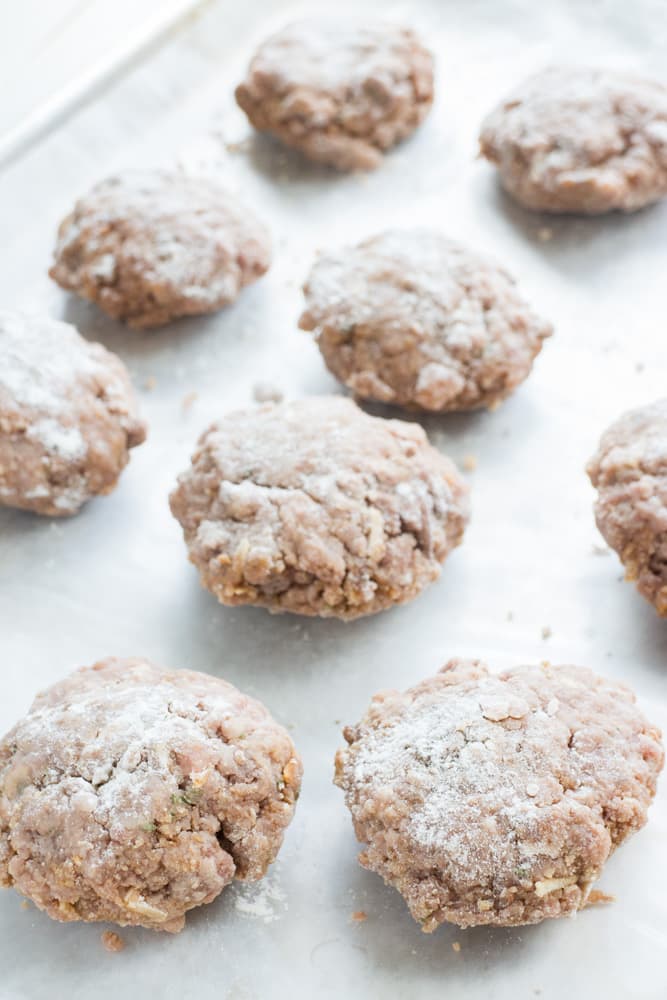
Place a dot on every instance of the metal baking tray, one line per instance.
(115, 580)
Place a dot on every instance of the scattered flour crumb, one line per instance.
(470, 463)
(264, 900)
(596, 898)
(241, 146)
(150, 383)
(545, 234)
(546, 632)
(359, 916)
(112, 941)
(188, 400)
(266, 392)
(456, 945)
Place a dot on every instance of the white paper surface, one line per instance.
(115, 580)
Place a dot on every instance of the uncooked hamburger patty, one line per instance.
(315, 507)
(340, 90)
(415, 319)
(132, 793)
(581, 140)
(629, 472)
(150, 246)
(68, 416)
(497, 799)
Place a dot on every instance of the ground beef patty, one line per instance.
(132, 793)
(416, 319)
(581, 140)
(315, 507)
(497, 799)
(341, 91)
(629, 472)
(150, 246)
(68, 416)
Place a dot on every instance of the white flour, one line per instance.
(264, 900)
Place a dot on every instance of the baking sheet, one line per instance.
(57, 55)
(115, 579)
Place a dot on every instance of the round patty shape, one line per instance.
(497, 799)
(132, 793)
(629, 472)
(581, 140)
(68, 416)
(316, 508)
(150, 246)
(341, 91)
(415, 319)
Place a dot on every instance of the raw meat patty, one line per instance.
(581, 140)
(339, 90)
(132, 793)
(150, 246)
(629, 472)
(68, 416)
(497, 799)
(415, 319)
(315, 507)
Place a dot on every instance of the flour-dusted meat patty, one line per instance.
(340, 90)
(132, 793)
(68, 416)
(149, 246)
(497, 799)
(316, 508)
(581, 140)
(413, 318)
(629, 472)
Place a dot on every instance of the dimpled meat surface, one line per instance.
(68, 416)
(582, 140)
(629, 472)
(339, 90)
(497, 799)
(418, 320)
(317, 508)
(151, 246)
(131, 793)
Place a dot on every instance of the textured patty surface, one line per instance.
(132, 793)
(418, 320)
(68, 416)
(317, 508)
(497, 799)
(150, 246)
(340, 90)
(581, 140)
(629, 472)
